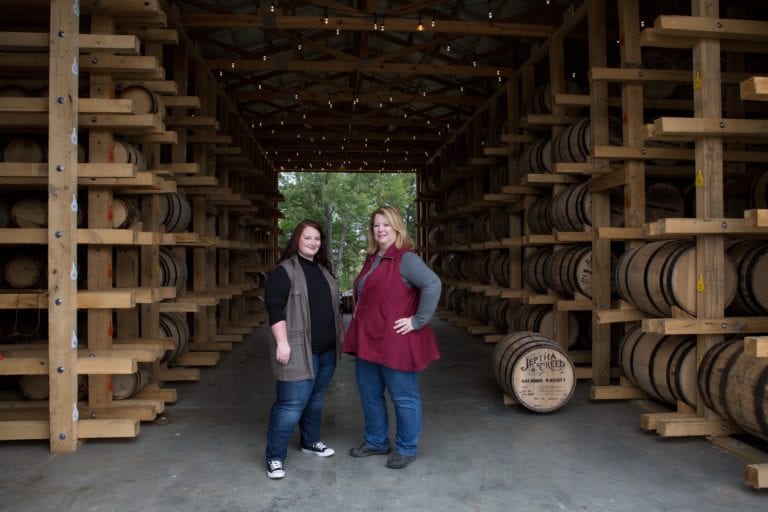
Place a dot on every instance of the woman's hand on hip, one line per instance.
(403, 325)
(283, 352)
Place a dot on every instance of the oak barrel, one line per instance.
(534, 370)
(126, 385)
(751, 260)
(173, 269)
(144, 100)
(538, 217)
(174, 326)
(540, 318)
(659, 276)
(126, 153)
(662, 366)
(658, 60)
(25, 271)
(30, 212)
(37, 387)
(735, 385)
(175, 212)
(125, 212)
(571, 208)
(5, 214)
(534, 273)
(24, 150)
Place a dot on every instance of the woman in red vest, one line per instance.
(395, 296)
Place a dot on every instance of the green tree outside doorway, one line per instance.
(342, 203)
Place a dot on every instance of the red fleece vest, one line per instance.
(385, 297)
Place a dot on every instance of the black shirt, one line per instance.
(321, 316)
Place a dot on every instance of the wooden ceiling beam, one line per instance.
(401, 135)
(294, 94)
(286, 65)
(353, 120)
(366, 24)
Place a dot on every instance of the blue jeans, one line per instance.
(299, 403)
(403, 387)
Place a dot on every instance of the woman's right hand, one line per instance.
(283, 352)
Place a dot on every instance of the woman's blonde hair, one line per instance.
(395, 219)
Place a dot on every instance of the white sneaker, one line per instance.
(275, 469)
(318, 449)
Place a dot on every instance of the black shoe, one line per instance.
(364, 451)
(318, 449)
(399, 461)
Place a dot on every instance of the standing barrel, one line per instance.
(662, 366)
(735, 385)
(534, 370)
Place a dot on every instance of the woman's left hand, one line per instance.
(403, 325)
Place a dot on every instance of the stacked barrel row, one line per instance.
(732, 383)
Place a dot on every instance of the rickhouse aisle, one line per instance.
(205, 453)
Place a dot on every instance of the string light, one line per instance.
(272, 7)
(448, 47)
(420, 27)
(382, 24)
(433, 21)
(325, 16)
(490, 12)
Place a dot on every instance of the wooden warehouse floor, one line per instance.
(476, 453)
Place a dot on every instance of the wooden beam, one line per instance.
(62, 301)
(125, 44)
(712, 28)
(361, 66)
(287, 22)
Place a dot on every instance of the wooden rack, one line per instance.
(707, 141)
(196, 146)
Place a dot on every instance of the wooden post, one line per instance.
(62, 222)
(710, 249)
(601, 248)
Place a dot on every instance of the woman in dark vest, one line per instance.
(302, 301)
(395, 296)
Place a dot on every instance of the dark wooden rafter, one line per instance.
(400, 88)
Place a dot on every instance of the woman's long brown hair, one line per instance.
(292, 247)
